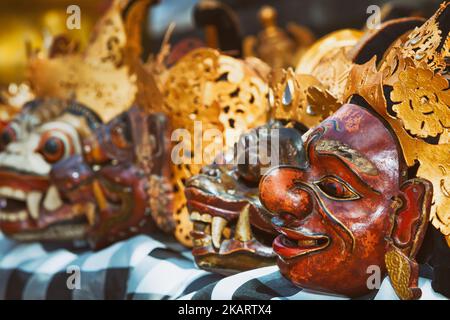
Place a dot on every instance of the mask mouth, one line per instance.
(13, 205)
(31, 209)
(213, 205)
(113, 193)
(293, 243)
(225, 232)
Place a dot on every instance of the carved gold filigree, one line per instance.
(316, 89)
(394, 63)
(423, 102)
(421, 106)
(220, 92)
(107, 75)
(423, 42)
(299, 97)
(435, 167)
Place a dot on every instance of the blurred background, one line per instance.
(32, 21)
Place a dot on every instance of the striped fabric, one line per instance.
(268, 284)
(139, 268)
(142, 267)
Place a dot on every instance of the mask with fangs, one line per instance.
(46, 132)
(232, 230)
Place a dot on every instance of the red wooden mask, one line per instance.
(130, 182)
(65, 175)
(232, 231)
(347, 206)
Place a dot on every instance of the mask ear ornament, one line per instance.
(409, 227)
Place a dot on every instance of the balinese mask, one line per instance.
(58, 184)
(45, 133)
(232, 231)
(125, 167)
(375, 171)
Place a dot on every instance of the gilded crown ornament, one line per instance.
(108, 75)
(315, 89)
(420, 104)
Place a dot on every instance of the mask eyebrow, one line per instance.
(343, 151)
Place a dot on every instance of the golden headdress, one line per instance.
(222, 93)
(315, 90)
(417, 107)
(108, 76)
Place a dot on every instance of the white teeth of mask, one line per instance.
(33, 201)
(217, 226)
(52, 200)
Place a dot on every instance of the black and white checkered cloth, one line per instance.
(139, 268)
(268, 284)
(142, 267)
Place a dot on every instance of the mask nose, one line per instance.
(281, 192)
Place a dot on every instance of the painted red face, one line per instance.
(131, 184)
(228, 238)
(335, 215)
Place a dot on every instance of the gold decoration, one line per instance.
(435, 167)
(366, 81)
(12, 100)
(316, 89)
(275, 46)
(298, 97)
(421, 105)
(423, 42)
(222, 93)
(108, 74)
(394, 63)
(329, 60)
(401, 274)
(422, 101)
